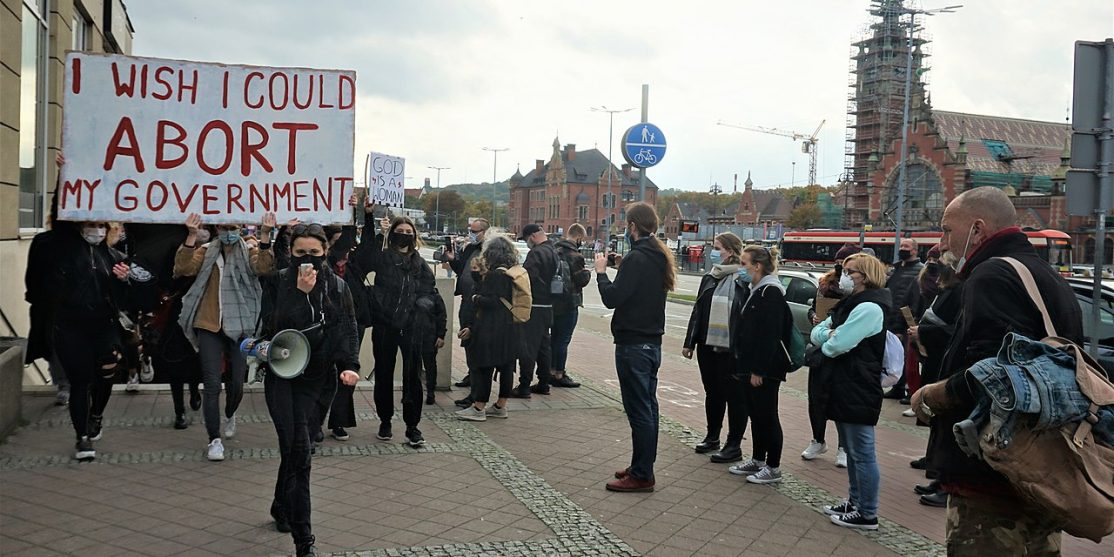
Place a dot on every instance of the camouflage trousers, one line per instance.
(983, 526)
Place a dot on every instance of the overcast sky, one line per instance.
(437, 81)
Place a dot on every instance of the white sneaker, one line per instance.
(133, 384)
(472, 414)
(146, 371)
(230, 427)
(216, 450)
(814, 450)
(841, 458)
(493, 411)
(909, 413)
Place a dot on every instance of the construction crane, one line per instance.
(808, 146)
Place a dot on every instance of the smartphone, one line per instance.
(305, 267)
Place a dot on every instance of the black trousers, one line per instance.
(386, 345)
(761, 401)
(177, 393)
(482, 379)
(292, 403)
(342, 410)
(720, 396)
(79, 349)
(429, 364)
(817, 401)
(537, 347)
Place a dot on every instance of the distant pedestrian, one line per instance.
(541, 265)
(430, 328)
(637, 295)
(566, 305)
(220, 308)
(762, 361)
(720, 295)
(905, 292)
(852, 343)
(492, 334)
(460, 261)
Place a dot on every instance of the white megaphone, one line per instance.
(287, 353)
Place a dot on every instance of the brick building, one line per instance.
(572, 187)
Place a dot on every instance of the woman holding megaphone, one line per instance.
(307, 297)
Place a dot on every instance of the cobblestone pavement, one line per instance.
(530, 485)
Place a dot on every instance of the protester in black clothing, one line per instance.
(41, 261)
(460, 261)
(905, 290)
(566, 306)
(761, 331)
(316, 302)
(721, 293)
(979, 225)
(401, 277)
(491, 333)
(430, 326)
(637, 295)
(932, 332)
(541, 265)
(88, 282)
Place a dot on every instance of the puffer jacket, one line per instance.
(400, 279)
(852, 380)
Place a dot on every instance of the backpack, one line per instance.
(560, 286)
(795, 347)
(1063, 471)
(893, 361)
(521, 299)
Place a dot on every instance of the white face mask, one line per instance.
(846, 283)
(93, 234)
(966, 246)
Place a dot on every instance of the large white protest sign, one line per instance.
(153, 140)
(386, 180)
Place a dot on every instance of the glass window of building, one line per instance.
(32, 119)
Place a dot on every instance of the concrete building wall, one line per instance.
(104, 27)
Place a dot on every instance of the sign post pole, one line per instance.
(645, 116)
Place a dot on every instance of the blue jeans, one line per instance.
(862, 466)
(637, 366)
(561, 336)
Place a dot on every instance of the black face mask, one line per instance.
(904, 254)
(401, 240)
(933, 268)
(316, 260)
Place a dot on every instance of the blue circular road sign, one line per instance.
(643, 145)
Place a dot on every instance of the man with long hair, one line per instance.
(638, 297)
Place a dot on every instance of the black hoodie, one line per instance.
(637, 295)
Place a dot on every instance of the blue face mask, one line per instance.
(229, 237)
(715, 256)
(744, 274)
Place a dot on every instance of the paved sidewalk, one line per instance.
(530, 485)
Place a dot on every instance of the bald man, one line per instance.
(984, 515)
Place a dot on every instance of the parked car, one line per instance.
(523, 249)
(1084, 286)
(800, 291)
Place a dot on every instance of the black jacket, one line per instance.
(637, 295)
(994, 302)
(496, 339)
(399, 280)
(759, 331)
(579, 275)
(852, 381)
(334, 344)
(41, 261)
(905, 291)
(462, 266)
(81, 283)
(430, 321)
(698, 320)
(541, 265)
(358, 265)
(934, 337)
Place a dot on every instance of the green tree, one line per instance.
(452, 207)
(806, 215)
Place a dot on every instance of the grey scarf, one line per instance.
(240, 294)
(719, 313)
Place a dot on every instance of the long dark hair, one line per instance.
(403, 219)
(645, 219)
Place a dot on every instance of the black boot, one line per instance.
(466, 382)
(306, 549)
(521, 391)
(709, 444)
(938, 499)
(180, 422)
(728, 454)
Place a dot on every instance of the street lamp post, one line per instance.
(715, 191)
(901, 186)
(494, 175)
(610, 166)
(437, 210)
